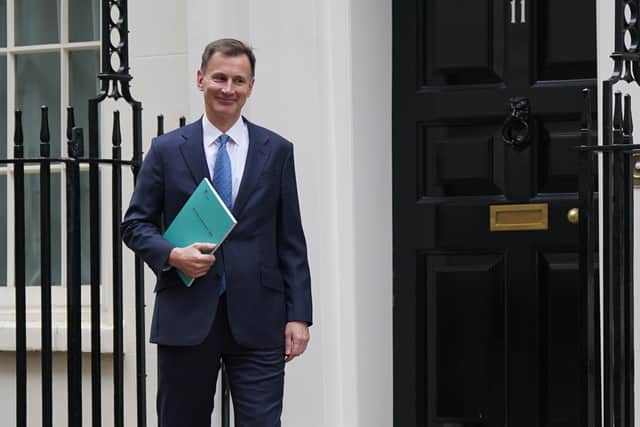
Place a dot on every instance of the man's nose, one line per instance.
(228, 86)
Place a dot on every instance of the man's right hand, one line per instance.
(191, 260)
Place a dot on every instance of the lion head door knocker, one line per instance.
(516, 129)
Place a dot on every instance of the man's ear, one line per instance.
(199, 77)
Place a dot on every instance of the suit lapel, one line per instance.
(257, 155)
(192, 150)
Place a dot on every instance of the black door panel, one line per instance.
(565, 40)
(464, 296)
(478, 31)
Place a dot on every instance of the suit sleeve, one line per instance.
(141, 225)
(292, 248)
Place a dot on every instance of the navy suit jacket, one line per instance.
(264, 258)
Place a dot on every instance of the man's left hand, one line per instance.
(296, 338)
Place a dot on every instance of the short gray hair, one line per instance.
(228, 47)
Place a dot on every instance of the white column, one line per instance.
(371, 79)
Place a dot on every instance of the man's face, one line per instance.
(226, 84)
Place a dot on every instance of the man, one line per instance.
(250, 305)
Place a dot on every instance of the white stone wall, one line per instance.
(323, 80)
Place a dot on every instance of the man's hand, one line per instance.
(296, 338)
(191, 260)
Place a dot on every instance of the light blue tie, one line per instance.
(222, 184)
(222, 172)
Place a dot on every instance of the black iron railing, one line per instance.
(616, 393)
(611, 401)
(44, 161)
(72, 166)
(72, 171)
(114, 84)
(617, 264)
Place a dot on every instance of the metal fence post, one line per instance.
(45, 269)
(74, 350)
(116, 213)
(20, 276)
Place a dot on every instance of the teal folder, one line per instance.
(203, 218)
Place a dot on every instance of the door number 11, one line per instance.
(523, 11)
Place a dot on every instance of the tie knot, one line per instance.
(223, 139)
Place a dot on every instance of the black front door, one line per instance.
(487, 317)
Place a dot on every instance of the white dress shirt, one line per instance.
(237, 147)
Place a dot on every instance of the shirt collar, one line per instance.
(210, 133)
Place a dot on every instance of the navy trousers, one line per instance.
(187, 380)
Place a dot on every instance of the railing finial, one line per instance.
(18, 136)
(627, 122)
(116, 135)
(71, 122)
(44, 124)
(160, 125)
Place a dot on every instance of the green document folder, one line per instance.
(203, 218)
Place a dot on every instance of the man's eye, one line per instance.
(218, 79)
(239, 81)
